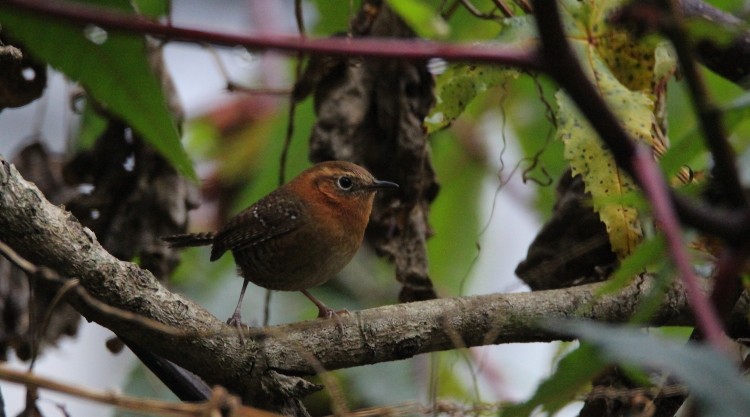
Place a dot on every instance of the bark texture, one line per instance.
(265, 368)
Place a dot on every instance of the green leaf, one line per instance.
(530, 118)
(112, 66)
(704, 30)
(687, 148)
(574, 372)
(623, 71)
(455, 215)
(421, 18)
(683, 152)
(458, 86)
(737, 111)
(644, 256)
(715, 384)
(649, 257)
(590, 158)
(152, 8)
(519, 31)
(201, 137)
(331, 19)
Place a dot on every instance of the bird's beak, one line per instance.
(377, 184)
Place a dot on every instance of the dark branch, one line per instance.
(725, 166)
(655, 188)
(391, 48)
(730, 60)
(47, 235)
(562, 65)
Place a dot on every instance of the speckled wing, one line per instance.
(273, 216)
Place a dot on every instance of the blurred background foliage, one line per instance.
(503, 128)
(516, 108)
(496, 124)
(245, 159)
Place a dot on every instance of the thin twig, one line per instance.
(300, 19)
(656, 190)
(265, 91)
(59, 296)
(507, 11)
(468, 5)
(709, 115)
(525, 6)
(141, 405)
(627, 394)
(562, 65)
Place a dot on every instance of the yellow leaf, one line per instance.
(631, 76)
(603, 178)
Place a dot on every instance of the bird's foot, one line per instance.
(236, 322)
(329, 313)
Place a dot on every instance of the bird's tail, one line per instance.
(192, 239)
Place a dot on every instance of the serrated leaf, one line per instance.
(714, 382)
(603, 178)
(665, 62)
(114, 69)
(626, 74)
(574, 372)
(458, 86)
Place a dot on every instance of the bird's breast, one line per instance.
(295, 261)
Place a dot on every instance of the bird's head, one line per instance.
(343, 187)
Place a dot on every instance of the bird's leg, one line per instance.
(236, 319)
(326, 312)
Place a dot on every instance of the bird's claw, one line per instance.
(236, 322)
(329, 313)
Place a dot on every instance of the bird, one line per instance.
(300, 235)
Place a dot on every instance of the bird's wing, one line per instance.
(272, 216)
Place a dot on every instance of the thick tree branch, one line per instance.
(47, 235)
(50, 236)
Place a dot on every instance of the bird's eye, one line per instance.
(345, 183)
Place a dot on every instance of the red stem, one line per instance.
(657, 192)
(526, 58)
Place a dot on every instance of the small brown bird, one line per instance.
(301, 234)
